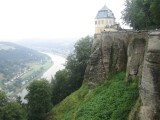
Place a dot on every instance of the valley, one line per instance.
(19, 66)
(58, 64)
(35, 72)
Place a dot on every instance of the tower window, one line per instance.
(99, 22)
(95, 22)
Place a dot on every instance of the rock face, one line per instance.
(136, 52)
(150, 83)
(135, 55)
(116, 51)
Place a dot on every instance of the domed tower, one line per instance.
(105, 20)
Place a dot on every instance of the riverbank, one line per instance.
(35, 73)
(58, 61)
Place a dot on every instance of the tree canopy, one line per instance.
(142, 14)
(39, 99)
(10, 110)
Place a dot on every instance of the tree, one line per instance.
(83, 49)
(155, 10)
(10, 110)
(142, 14)
(3, 99)
(70, 79)
(77, 62)
(13, 111)
(39, 99)
(3, 102)
(60, 86)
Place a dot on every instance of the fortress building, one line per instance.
(105, 21)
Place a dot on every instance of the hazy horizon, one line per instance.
(51, 20)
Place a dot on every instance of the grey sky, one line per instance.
(51, 19)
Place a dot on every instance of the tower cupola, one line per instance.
(104, 20)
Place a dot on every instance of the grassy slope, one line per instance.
(112, 100)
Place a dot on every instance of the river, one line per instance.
(58, 64)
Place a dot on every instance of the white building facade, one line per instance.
(105, 20)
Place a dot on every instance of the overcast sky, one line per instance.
(51, 19)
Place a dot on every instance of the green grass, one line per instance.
(112, 100)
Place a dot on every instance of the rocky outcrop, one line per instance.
(150, 83)
(112, 52)
(135, 55)
(138, 53)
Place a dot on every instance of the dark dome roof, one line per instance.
(105, 13)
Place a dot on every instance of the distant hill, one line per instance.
(13, 58)
(59, 46)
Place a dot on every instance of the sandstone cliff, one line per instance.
(150, 82)
(136, 52)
